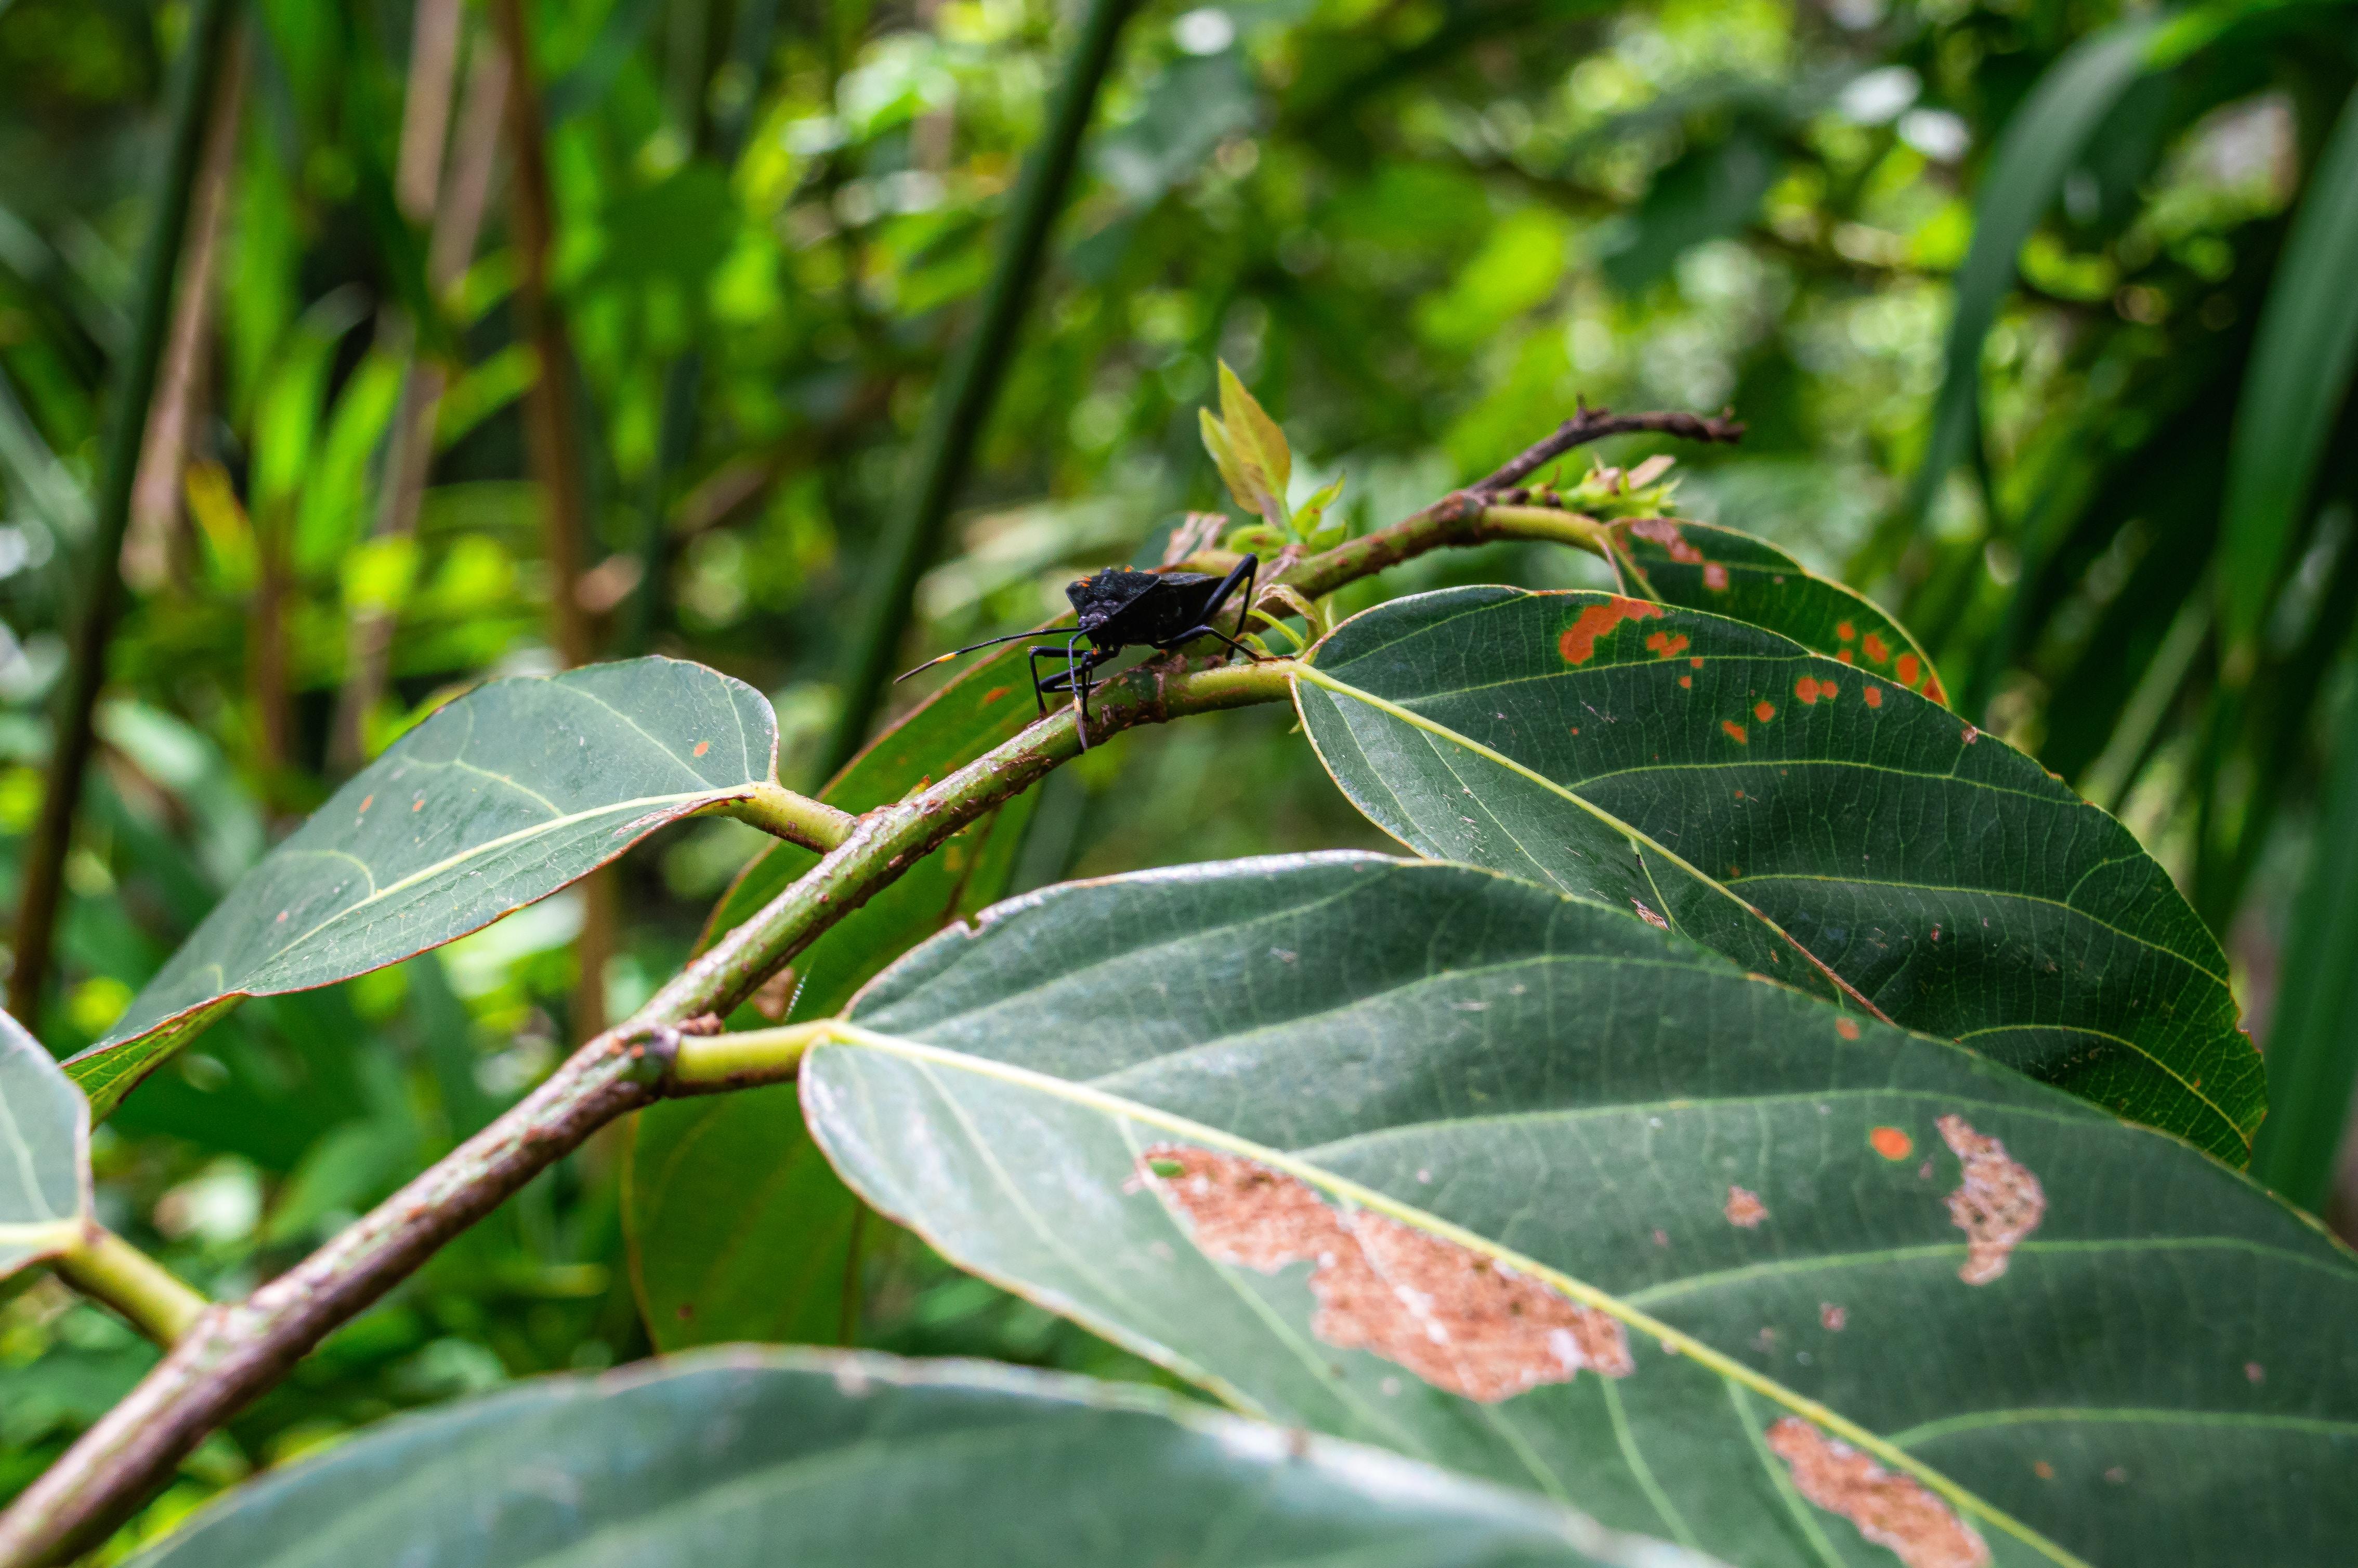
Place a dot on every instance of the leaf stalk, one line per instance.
(105, 1268)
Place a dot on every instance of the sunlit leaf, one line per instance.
(744, 1458)
(44, 1153)
(1726, 782)
(1433, 1158)
(498, 800)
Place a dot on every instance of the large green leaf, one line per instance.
(498, 799)
(1701, 566)
(810, 1460)
(44, 1153)
(1426, 1156)
(1728, 782)
(2299, 381)
(737, 1228)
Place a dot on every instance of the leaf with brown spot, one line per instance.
(1886, 852)
(1421, 1097)
(1702, 566)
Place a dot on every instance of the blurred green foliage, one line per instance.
(1418, 229)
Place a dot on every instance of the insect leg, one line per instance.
(1042, 685)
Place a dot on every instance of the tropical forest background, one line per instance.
(509, 336)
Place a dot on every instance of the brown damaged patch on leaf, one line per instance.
(1999, 1202)
(1745, 1210)
(1578, 644)
(1892, 1510)
(1460, 1320)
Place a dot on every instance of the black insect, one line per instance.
(1123, 608)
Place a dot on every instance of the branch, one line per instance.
(45, 856)
(671, 1046)
(1595, 423)
(796, 818)
(234, 1351)
(105, 1268)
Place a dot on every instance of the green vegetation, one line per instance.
(482, 914)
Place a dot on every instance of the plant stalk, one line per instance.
(796, 818)
(962, 405)
(108, 1268)
(44, 855)
(234, 1351)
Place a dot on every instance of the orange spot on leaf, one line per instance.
(1933, 688)
(1806, 689)
(1891, 1143)
(366, 801)
(1844, 654)
(1715, 576)
(1686, 682)
(1845, 631)
(1764, 711)
(1667, 645)
(994, 694)
(1578, 644)
(701, 747)
(1908, 669)
(1846, 1027)
(1874, 697)
(1734, 731)
(1745, 1210)
(1876, 648)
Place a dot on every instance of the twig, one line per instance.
(962, 405)
(1595, 423)
(45, 856)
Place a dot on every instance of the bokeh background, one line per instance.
(515, 335)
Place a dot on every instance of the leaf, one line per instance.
(736, 1228)
(1701, 566)
(742, 1458)
(495, 801)
(2043, 141)
(2313, 1044)
(1760, 1227)
(1254, 434)
(2299, 378)
(1707, 770)
(44, 1153)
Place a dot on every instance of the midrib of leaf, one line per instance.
(855, 1036)
(41, 1237)
(1316, 677)
(643, 804)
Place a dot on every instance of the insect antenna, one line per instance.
(954, 653)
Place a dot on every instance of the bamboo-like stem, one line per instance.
(44, 855)
(457, 207)
(962, 405)
(154, 539)
(797, 818)
(107, 1269)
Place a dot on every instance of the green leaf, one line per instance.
(1726, 781)
(1701, 566)
(44, 1153)
(1255, 435)
(744, 1458)
(498, 800)
(2046, 137)
(2313, 1045)
(738, 1229)
(1517, 1184)
(2299, 379)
